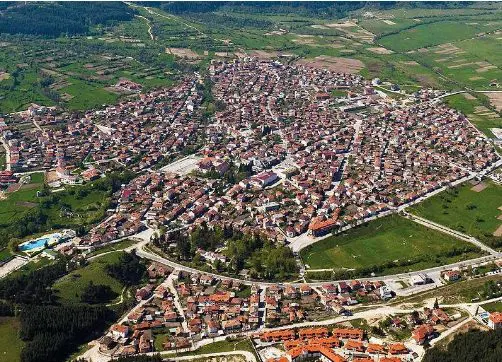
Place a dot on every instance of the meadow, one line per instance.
(70, 287)
(377, 242)
(468, 106)
(10, 343)
(463, 209)
(17, 203)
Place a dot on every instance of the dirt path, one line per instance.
(149, 26)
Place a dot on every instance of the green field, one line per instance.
(10, 343)
(18, 202)
(113, 247)
(70, 286)
(427, 35)
(478, 118)
(377, 242)
(474, 213)
(493, 307)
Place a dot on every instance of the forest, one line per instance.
(53, 19)
(476, 346)
(51, 332)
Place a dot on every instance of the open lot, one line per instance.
(19, 202)
(386, 239)
(10, 343)
(461, 208)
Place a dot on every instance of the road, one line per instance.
(432, 272)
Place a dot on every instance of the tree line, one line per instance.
(479, 346)
(61, 18)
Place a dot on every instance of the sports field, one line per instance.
(463, 209)
(377, 242)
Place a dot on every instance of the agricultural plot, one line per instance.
(427, 35)
(473, 211)
(388, 239)
(17, 203)
(474, 107)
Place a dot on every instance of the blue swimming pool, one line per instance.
(38, 243)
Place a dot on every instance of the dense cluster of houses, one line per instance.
(157, 314)
(137, 133)
(312, 163)
(331, 346)
(215, 307)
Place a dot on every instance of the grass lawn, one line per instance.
(71, 286)
(20, 201)
(474, 213)
(121, 245)
(223, 346)
(493, 307)
(386, 239)
(10, 344)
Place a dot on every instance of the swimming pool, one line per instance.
(40, 243)
(34, 244)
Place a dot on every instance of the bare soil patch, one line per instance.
(334, 64)
(26, 204)
(495, 99)
(479, 187)
(469, 96)
(476, 78)
(4, 75)
(499, 217)
(498, 232)
(182, 53)
(389, 22)
(380, 50)
(410, 62)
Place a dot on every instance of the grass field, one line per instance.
(386, 239)
(474, 213)
(493, 307)
(10, 344)
(478, 118)
(223, 346)
(427, 35)
(70, 286)
(113, 247)
(18, 202)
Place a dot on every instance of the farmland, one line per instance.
(387, 239)
(463, 209)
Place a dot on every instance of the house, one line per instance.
(420, 279)
(346, 333)
(385, 292)
(423, 333)
(495, 320)
(119, 331)
(451, 275)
